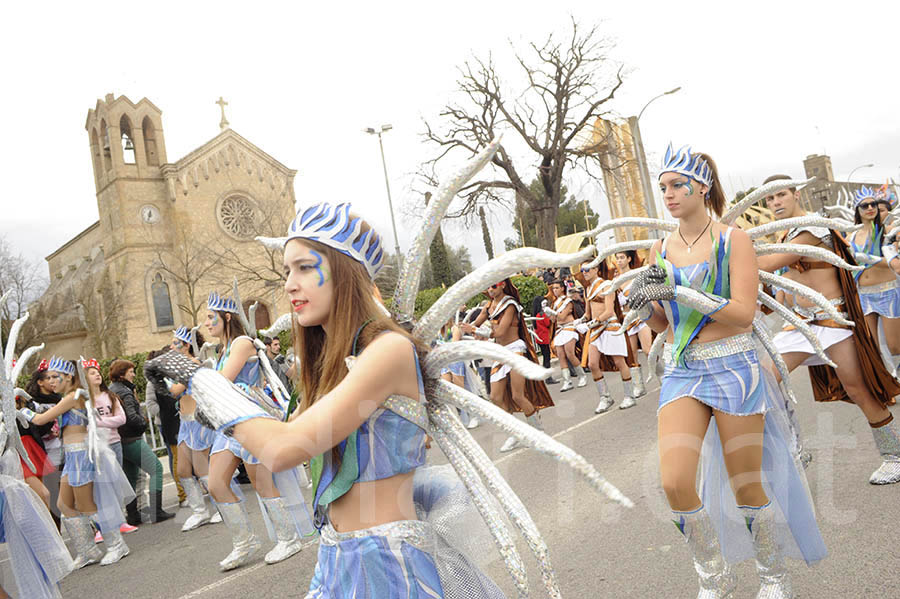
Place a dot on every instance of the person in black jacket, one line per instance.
(40, 388)
(136, 454)
(162, 406)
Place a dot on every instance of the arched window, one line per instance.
(162, 304)
(149, 141)
(105, 151)
(95, 153)
(127, 140)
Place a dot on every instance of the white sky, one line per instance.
(764, 84)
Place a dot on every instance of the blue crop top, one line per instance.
(685, 322)
(249, 375)
(872, 246)
(73, 417)
(390, 442)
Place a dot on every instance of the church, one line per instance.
(168, 233)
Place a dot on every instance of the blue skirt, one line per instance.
(223, 443)
(196, 436)
(78, 467)
(729, 376)
(883, 299)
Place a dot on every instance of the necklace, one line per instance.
(690, 246)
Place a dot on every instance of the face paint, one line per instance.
(324, 275)
(215, 320)
(687, 185)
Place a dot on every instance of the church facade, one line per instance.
(168, 232)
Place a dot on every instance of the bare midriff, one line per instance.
(187, 405)
(371, 503)
(713, 331)
(74, 433)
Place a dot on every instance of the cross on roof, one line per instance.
(222, 104)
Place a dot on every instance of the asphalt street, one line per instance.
(598, 549)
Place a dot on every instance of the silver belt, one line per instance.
(187, 417)
(415, 532)
(812, 314)
(75, 446)
(728, 346)
(880, 287)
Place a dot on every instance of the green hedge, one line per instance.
(528, 287)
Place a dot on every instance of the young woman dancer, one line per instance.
(565, 336)
(603, 339)
(638, 333)
(715, 386)
(238, 362)
(93, 485)
(879, 287)
(509, 389)
(194, 443)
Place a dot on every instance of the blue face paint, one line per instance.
(686, 184)
(323, 274)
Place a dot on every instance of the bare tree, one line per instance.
(568, 84)
(24, 280)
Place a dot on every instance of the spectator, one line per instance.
(548, 276)
(136, 453)
(542, 332)
(273, 351)
(164, 408)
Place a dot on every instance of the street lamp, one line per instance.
(635, 126)
(385, 129)
(850, 176)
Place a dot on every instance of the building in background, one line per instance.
(825, 191)
(167, 233)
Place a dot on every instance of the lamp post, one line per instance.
(385, 129)
(634, 123)
(850, 176)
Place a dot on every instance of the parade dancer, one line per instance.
(93, 485)
(509, 389)
(638, 332)
(38, 557)
(857, 373)
(32, 435)
(716, 386)
(194, 441)
(565, 335)
(364, 419)
(879, 287)
(602, 339)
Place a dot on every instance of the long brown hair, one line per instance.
(715, 198)
(321, 356)
(113, 398)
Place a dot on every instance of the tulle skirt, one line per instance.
(732, 379)
(411, 558)
(38, 556)
(883, 299)
(288, 484)
(38, 458)
(111, 488)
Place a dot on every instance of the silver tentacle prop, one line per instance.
(798, 289)
(461, 351)
(807, 251)
(792, 318)
(640, 244)
(281, 394)
(495, 270)
(762, 333)
(527, 435)
(93, 435)
(443, 416)
(249, 328)
(482, 500)
(759, 193)
(686, 296)
(841, 211)
(631, 221)
(9, 432)
(655, 354)
(283, 323)
(410, 272)
(810, 220)
(608, 287)
(194, 345)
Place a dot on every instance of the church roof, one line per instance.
(221, 141)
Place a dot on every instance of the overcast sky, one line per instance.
(764, 84)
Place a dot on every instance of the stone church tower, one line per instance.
(167, 234)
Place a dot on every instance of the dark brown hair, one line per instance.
(771, 178)
(118, 369)
(715, 197)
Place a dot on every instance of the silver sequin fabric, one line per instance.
(728, 346)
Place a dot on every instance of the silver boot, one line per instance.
(637, 378)
(582, 380)
(567, 380)
(606, 401)
(199, 514)
(774, 582)
(116, 548)
(245, 543)
(716, 579)
(887, 439)
(285, 531)
(629, 401)
(82, 535)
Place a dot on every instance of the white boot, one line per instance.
(116, 548)
(582, 380)
(535, 420)
(199, 514)
(82, 535)
(629, 401)
(473, 423)
(216, 517)
(567, 380)
(244, 542)
(887, 440)
(285, 531)
(637, 378)
(606, 401)
(508, 445)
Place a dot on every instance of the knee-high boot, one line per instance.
(82, 535)
(774, 582)
(289, 542)
(199, 514)
(245, 543)
(716, 578)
